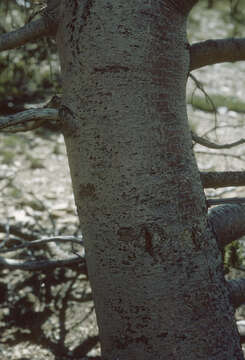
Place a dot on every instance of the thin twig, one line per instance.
(43, 241)
(212, 202)
(34, 265)
(211, 145)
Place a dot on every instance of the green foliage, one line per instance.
(11, 143)
(35, 163)
(7, 157)
(15, 193)
(230, 102)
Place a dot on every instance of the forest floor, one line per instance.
(39, 310)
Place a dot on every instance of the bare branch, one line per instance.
(44, 264)
(222, 179)
(27, 120)
(34, 265)
(237, 292)
(14, 229)
(204, 142)
(45, 26)
(42, 241)
(29, 32)
(238, 157)
(235, 200)
(216, 51)
(227, 223)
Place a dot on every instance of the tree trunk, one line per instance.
(153, 263)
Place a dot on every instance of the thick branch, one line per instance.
(222, 179)
(237, 292)
(227, 223)
(27, 33)
(27, 120)
(216, 51)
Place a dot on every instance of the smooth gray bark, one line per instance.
(153, 262)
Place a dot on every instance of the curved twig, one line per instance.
(204, 142)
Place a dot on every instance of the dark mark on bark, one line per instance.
(148, 242)
(112, 68)
(86, 14)
(87, 191)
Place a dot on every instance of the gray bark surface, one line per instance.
(153, 262)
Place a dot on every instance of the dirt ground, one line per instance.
(39, 310)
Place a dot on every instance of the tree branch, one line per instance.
(237, 292)
(44, 264)
(222, 179)
(45, 26)
(29, 32)
(216, 51)
(204, 142)
(27, 120)
(235, 200)
(227, 222)
(42, 241)
(34, 265)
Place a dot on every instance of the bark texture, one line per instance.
(153, 262)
